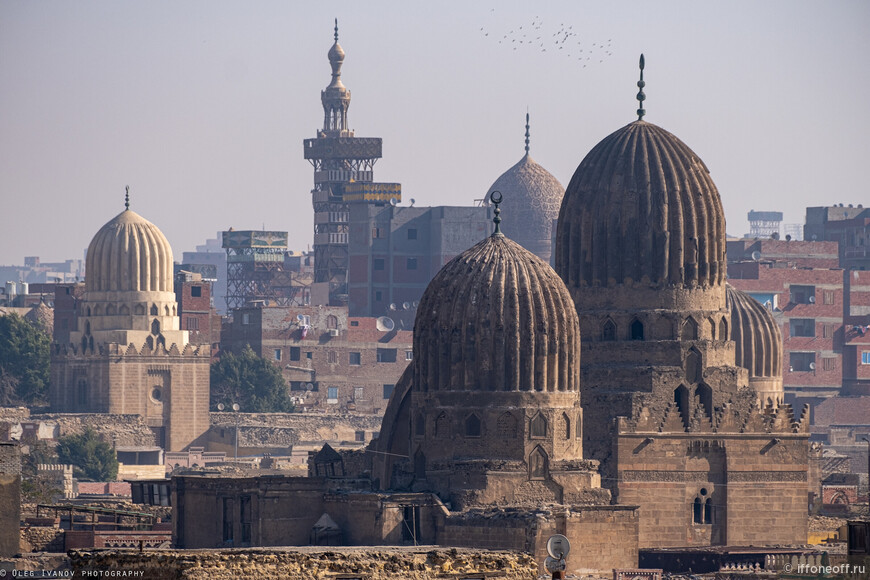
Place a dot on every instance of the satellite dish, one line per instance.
(392, 305)
(812, 299)
(300, 317)
(812, 366)
(756, 255)
(236, 407)
(558, 547)
(385, 324)
(221, 407)
(406, 305)
(309, 387)
(413, 201)
(415, 303)
(394, 202)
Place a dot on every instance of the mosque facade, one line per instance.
(127, 354)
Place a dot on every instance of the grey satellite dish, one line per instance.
(392, 305)
(812, 366)
(385, 324)
(394, 202)
(406, 305)
(236, 407)
(413, 201)
(309, 386)
(756, 255)
(415, 303)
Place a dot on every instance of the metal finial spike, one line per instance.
(495, 197)
(127, 197)
(640, 96)
(336, 30)
(527, 132)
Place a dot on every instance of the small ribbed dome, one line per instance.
(756, 335)
(497, 318)
(532, 197)
(129, 254)
(641, 207)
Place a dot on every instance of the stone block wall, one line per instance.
(10, 498)
(41, 539)
(313, 564)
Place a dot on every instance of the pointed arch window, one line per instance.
(636, 330)
(153, 310)
(539, 464)
(472, 425)
(723, 329)
(689, 330)
(538, 426)
(608, 330)
(566, 425)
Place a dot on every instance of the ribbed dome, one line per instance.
(756, 335)
(532, 197)
(496, 318)
(129, 254)
(641, 207)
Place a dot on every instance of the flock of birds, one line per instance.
(562, 41)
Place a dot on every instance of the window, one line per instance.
(386, 355)
(308, 354)
(829, 296)
(538, 426)
(409, 355)
(802, 362)
(376, 233)
(388, 390)
(331, 321)
(829, 363)
(332, 395)
(193, 323)
(354, 322)
(246, 318)
(608, 330)
(359, 436)
(637, 330)
(331, 357)
(472, 426)
(412, 233)
(245, 519)
(304, 320)
(196, 291)
(228, 520)
(379, 296)
(828, 330)
(865, 357)
(358, 394)
(354, 358)
(412, 263)
(802, 294)
(295, 353)
(802, 327)
(277, 354)
(378, 263)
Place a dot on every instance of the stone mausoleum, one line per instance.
(629, 399)
(126, 354)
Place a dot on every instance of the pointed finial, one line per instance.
(336, 30)
(640, 96)
(527, 132)
(495, 197)
(127, 198)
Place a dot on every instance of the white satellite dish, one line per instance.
(812, 299)
(812, 366)
(406, 305)
(558, 547)
(756, 255)
(392, 305)
(394, 202)
(385, 324)
(415, 303)
(300, 317)
(309, 387)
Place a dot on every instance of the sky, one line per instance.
(201, 106)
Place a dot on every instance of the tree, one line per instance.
(25, 358)
(34, 489)
(92, 458)
(253, 382)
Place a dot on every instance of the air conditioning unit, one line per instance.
(333, 332)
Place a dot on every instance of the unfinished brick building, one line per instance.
(669, 412)
(127, 354)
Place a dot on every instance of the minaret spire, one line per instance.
(527, 131)
(336, 30)
(496, 197)
(640, 96)
(127, 198)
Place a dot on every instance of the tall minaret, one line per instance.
(339, 159)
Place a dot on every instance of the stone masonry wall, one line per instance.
(125, 430)
(10, 498)
(41, 539)
(312, 564)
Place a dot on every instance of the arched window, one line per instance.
(472, 425)
(690, 330)
(442, 425)
(139, 310)
(693, 365)
(698, 511)
(507, 426)
(419, 465)
(708, 511)
(723, 329)
(566, 425)
(155, 327)
(89, 310)
(705, 397)
(579, 429)
(608, 330)
(538, 426)
(636, 330)
(87, 327)
(166, 310)
(331, 321)
(153, 310)
(124, 310)
(110, 310)
(712, 326)
(420, 427)
(538, 464)
(149, 342)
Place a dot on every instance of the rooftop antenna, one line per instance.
(127, 198)
(496, 197)
(640, 96)
(527, 131)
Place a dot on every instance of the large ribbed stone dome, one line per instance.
(129, 254)
(496, 318)
(641, 208)
(531, 200)
(757, 344)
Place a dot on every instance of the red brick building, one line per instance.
(196, 310)
(802, 284)
(350, 363)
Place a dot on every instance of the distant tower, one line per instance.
(763, 224)
(338, 158)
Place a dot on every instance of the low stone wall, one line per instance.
(381, 563)
(124, 430)
(41, 539)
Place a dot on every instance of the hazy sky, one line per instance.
(202, 106)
